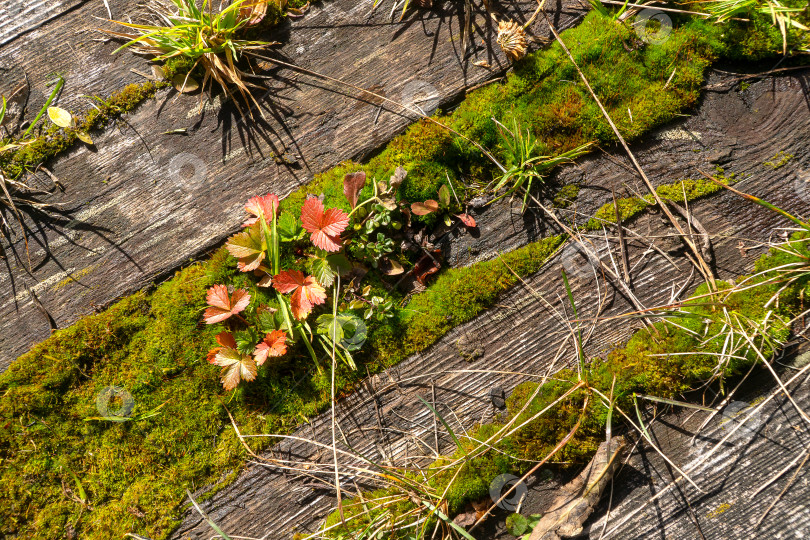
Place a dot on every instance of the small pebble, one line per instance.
(498, 397)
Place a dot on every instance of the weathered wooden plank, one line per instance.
(767, 443)
(522, 337)
(20, 16)
(645, 504)
(145, 201)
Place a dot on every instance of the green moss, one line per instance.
(663, 361)
(53, 141)
(566, 195)
(779, 160)
(457, 296)
(154, 345)
(631, 207)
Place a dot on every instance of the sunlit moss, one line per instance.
(663, 361)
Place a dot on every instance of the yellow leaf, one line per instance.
(60, 117)
(396, 268)
(84, 137)
(184, 84)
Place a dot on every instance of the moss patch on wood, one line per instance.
(665, 361)
(688, 189)
(53, 140)
(133, 473)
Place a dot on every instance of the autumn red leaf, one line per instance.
(224, 305)
(352, 184)
(247, 246)
(306, 291)
(273, 344)
(425, 208)
(236, 367)
(267, 205)
(225, 339)
(466, 219)
(325, 226)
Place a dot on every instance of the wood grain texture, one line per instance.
(20, 16)
(524, 338)
(144, 202)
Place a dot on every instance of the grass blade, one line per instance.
(444, 423)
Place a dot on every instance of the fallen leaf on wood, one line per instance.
(60, 117)
(184, 84)
(84, 137)
(427, 266)
(467, 220)
(570, 509)
(395, 269)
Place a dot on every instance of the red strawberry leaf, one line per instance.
(274, 344)
(225, 339)
(425, 208)
(266, 205)
(352, 185)
(325, 226)
(236, 367)
(307, 292)
(467, 220)
(224, 305)
(247, 246)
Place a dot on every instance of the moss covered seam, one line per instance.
(663, 361)
(152, 344)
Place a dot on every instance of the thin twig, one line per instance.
(704, 268)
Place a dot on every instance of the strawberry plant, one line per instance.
(256, 332)
(444, 207)
(265, 331)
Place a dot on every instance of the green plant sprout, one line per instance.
(525, 166)
(207, 39)
(781, 15)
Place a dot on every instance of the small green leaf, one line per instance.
(322, 271)
(246, 340)
(339, 264)
(444, 196)
(516, 524)
(266, 321)
(60, 117)
(330, 326)
(289, 230)
(354, 332)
